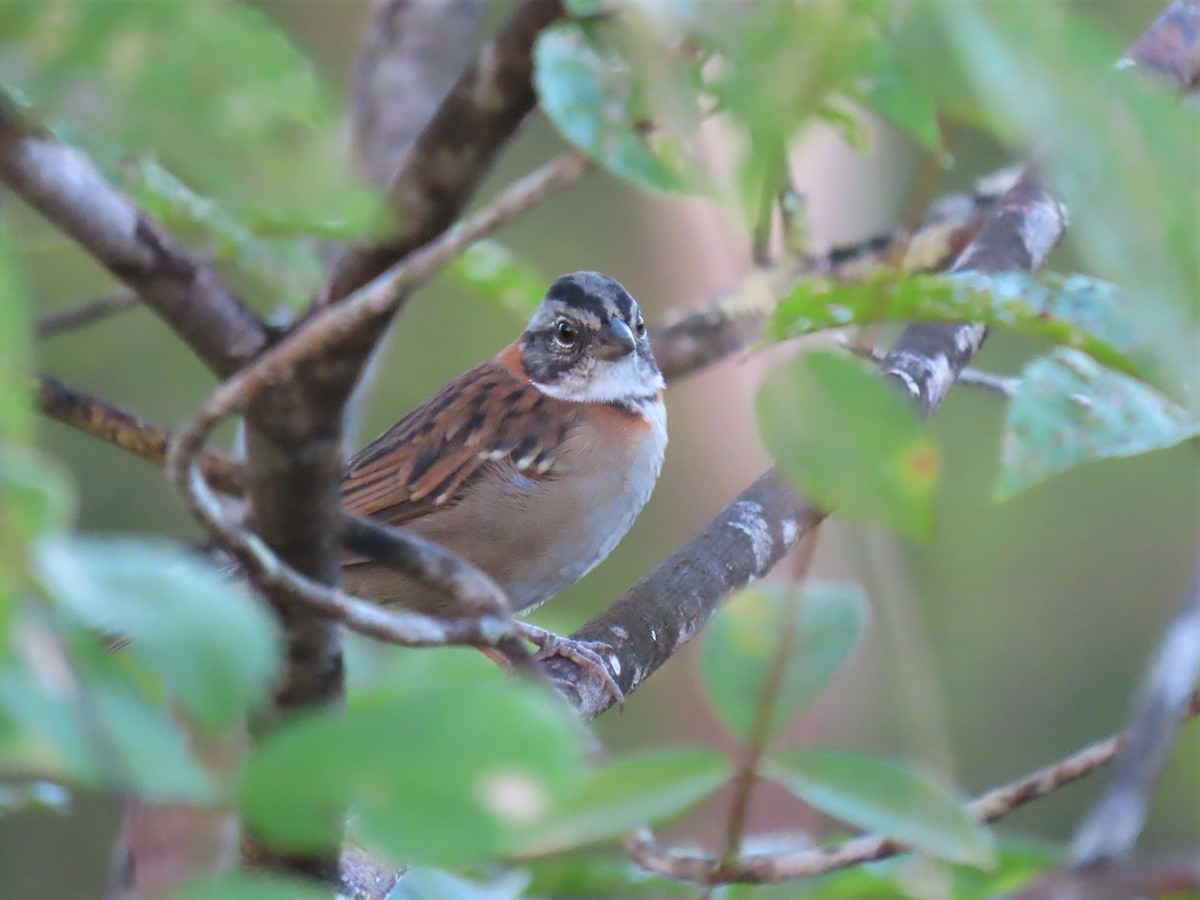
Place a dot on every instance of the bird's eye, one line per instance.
(640, 326)
(565, 333)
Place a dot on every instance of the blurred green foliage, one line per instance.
(219, 125)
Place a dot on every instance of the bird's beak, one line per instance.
(615, 341)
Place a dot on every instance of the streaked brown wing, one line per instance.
(428, 459)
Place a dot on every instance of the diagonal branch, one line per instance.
(61, 183)
(449, 158)
(732, 322)
(86, 313)
(410, 55)
(1111, 828)
(664, 610)
(1171, 45)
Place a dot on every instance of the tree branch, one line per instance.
(82, 314)
(1171, 45)
(651, 621)
(807, 863)
(407, 553)
(409, 57)
(1018, 236)
(1111, 828)
(62, 184)
(731, 322)
(445, 163)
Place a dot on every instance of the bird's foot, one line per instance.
(589, 655)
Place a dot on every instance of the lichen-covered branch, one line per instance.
(730, 323)
(61, 183)
(1017, 237)
(662, 612)
(1112, 826)
(647, 625)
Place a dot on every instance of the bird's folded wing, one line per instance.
(485, 419)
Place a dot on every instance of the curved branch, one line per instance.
(409, 554)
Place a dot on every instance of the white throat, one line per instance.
(622, 381)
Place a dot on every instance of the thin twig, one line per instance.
(80, 315)
(127, 430)
(731, 322)
(411, 555)
(807, 863)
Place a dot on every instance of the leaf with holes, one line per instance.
(849, 441)
(741, 641)
(213, 645)
(1068, 410)
(878, 794)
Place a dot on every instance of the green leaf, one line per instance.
(288, 266)
(782, 66)
(491, 269)
(1068, 410)
(36, 495)
(1047, 73)
(16, 407)
(75, 714)
(241, 885)
(740, 642)
(598, 103)
(848, 440)
(1073, 310)
(438, 768)
(631, 792)
(889, 92)
(214, 91)
(580, 8)
(599, 877)
(213, 645)
(878, 794)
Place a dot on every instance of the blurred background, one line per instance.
(1015, 636)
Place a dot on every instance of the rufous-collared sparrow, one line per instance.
(532, 465)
